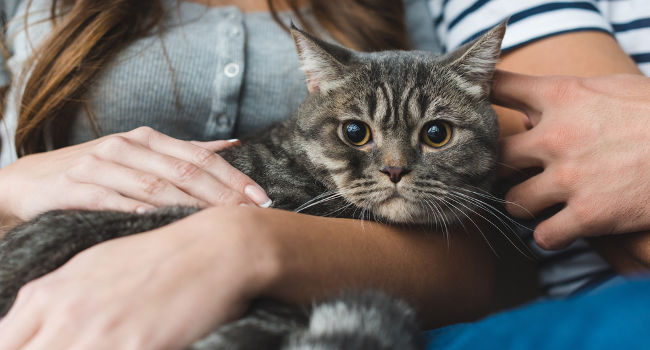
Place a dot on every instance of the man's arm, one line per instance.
(583, 54)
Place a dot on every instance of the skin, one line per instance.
(219, 259)
(565, 114)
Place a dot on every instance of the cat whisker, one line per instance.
(504, 215)
(320, 196)
(430, 223)
(330, 195)
(487, 241)
(493, 211)
(511, 168)
(443, 219)
(494, 198)
(342, 208)
(320, 201)
(445, 229)
(458, 199)
(443, 201)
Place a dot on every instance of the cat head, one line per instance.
(404, 135)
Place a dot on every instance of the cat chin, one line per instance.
(401, 210)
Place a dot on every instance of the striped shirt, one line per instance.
(457, 22)
(460, 21)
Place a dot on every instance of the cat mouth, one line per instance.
(394, 195)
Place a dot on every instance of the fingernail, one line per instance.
(143, 209)
(140, 210)
(258, 196)
(233, 140)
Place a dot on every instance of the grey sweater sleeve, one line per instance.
(7, 12)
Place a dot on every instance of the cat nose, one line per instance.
(395, 172)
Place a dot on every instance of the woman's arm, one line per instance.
(166, 288)
(446, 279)
(132, 171)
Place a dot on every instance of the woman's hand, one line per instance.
(132, 171)
(591, 136)
(158, 290)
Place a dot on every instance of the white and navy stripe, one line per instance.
(460, 21)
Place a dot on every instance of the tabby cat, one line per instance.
(401, 137)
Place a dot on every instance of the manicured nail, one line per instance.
(233, 140)
(258, 196)
(142, 210)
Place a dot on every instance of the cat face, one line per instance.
(403, 135)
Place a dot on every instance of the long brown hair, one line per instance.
(88, 34)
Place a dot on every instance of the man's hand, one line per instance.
(591, 137)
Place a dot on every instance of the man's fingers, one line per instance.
(559, 230)
(534, 195)
(518, 91)
(520, 151)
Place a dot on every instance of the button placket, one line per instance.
(229, 75)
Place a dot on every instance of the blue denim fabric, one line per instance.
(612, 317)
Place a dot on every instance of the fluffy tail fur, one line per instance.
(360, 321)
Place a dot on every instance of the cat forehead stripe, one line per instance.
(403, 103)
(414, 107)
(388, 95)
(381, 104)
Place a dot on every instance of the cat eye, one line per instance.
(436, 134)
(357, 133)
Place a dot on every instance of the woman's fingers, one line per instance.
(185, 175)
(19, 326)
(208, 161)
(136, 188)
(51, 339)
(92, 196)
(133, 171)
(217, 145)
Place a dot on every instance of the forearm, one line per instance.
(446, 280)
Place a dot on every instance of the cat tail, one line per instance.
(359, 321)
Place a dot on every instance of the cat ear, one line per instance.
(323, 63)
(476, 61)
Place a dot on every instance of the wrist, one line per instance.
(247, 238)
